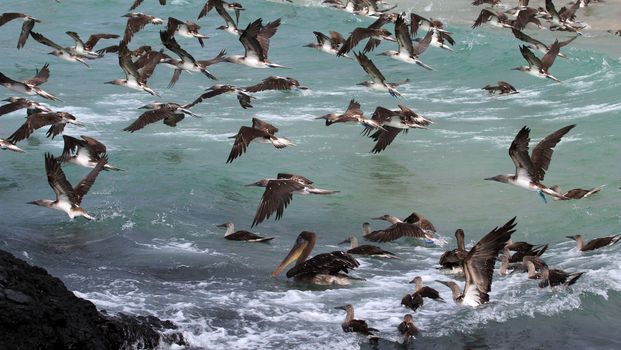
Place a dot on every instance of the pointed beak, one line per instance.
(378, 218)
(33, 202)
(345, 241)
(222, 225)
(293, 255)
(412, 281)
(571, 237)
(489, 179)
(253, 184)
(340, 308)
(443, 282)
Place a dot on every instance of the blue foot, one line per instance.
(543, 197)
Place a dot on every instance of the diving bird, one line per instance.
(414, 225)
(170, 113)
(86, 152)
(275, 83)
(479, 267)
(454, 259)
(539, 67)
(242, 235)
(187, 29)
(576, 193)
(407, 328)
(329, 44)
(322, 269)
(27, 26)
(139, 2)
(134, 78)
(260, 131)
(378, 82)
(350, 324)
(407, 52)
(68, 199)
(367, 250)
(30, 86)
(502, 88)
(595, 243)
(7, 145)
(187, 62)
(219, 5)
(242, 95)
(57, 120)
(415, 300)
(353, 114)
(530, 170)
(85, 49)
(61, 52)
(17, 103)
(256, 39)
(279, 192)
(136, 21)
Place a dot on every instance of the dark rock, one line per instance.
(38, 312)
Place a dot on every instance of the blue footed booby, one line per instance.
(407, 328)
(322, 269)
(135, 22)
(407, 52)
(414, 225)
(329, 44)
(576, 193)
(135, 78)
(367, 250)
(259, 132)
(27, 26)
(479, 267)
(56, 120)
(170, 113)
(350, 324)
(68, 199)
(30, 86)
(454, 259)
(242, 235)
(219, 89)
(219, 5)
(7, 145)
(353, 114)
(531, 169)
(256, 39)
(64, 53)
(86, 152)
(595, 243)
(415, 300)
(279, 192)
(17, 103)
(187, 29)
(378, 82)
(539, 67)
(502, 88)
(85, 49)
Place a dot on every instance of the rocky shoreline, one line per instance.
(38, 312)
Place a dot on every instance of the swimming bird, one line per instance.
(170, 113)
(275, 83)
(187, 29)
(350, 324)
(415, 300)
(359, 34)
(260, 131)
(378, 82)
(502, 88)
(353, 114)
(407, 328)
(497, 19)
(530, 170)
(550, 277)
(367, 250)
(27, 26)
(86, 152)
(329, 44)
(85, 49)
(614, 32)
(68, 199)
(479, 267)
(187, 62)
(454, 259)
(407, 52)
(17, 103)
(138, 2)
(595, 243)
(242, 95)
(30, 86)
(136, 21)
(523, 249)
(247, 236)
(219, 5)
(392, 123)
(536, 67)
(57, 120)
(7, 145)
(59, 51)
(279, 192)
(576, 193)
(489, 2)
(412, 226)
(135, 79)
(322, 269)
(256, 39)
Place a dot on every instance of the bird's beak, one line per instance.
(293, 255)
(222, 225)
(571, 237)
(379, 218)
(412, 281)
(345, 241)
(516, 68)
(443, 282)
(340, 308)
(253, 184)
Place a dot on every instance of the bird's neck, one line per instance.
(354, 242)
(229, 230)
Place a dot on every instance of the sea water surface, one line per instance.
(155, 248)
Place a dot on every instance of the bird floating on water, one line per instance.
(322, 269)
(453, 259)
(414, 225)
(595, 243)
(407, 328)
(68, 199)
(531, 169)
(279, 192)
(350, 324)
(367, 250)
(242, 235)
(502, 88)
(415, 300)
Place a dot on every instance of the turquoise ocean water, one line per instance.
(155, 248)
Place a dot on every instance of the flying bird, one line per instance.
(30, 86)
(378, 82)
(187, 29)
(407, 52)
(595, 243)
(134, 78)
(85, 49)
(502, 88)
(256, 39)
(329, 44)
(219, 89)
(57, 120)
(17, 103)
(86, 152)
(27, 26)
(61, 52)
(353, 114)
(259, 132)
(136, 21)
(275, 83)
(170, 113)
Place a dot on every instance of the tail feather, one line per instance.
(573, 278)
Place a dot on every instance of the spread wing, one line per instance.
(395, 231)
(259, 124)
(149, 117)
(41, 77)
(370, 68)
(423, 44)
(519, 153)
(276, 198)
(384, 138)
(85, 185)
(9, 16)
(249, 40)
(326, 263)
(57, 180)
(542, 153)
(273, 83)
(356, 36)
(45, 41)
(23, 35)
(134, 25)
(93, 39)
(242, 140)
(13, 106)
(484, 16)
(402, 34)
(34, 122)
(548, 59)
(479, 263)
(169, 41)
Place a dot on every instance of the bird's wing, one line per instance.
(25, 32)
(93, 39)
(484, 16)
(423, 44)
(519, 153)
(94, 145)
(277, 196)
(9, 16)
(370, 68)
(325, 263)
(356, 36)
(169, 41)
(244, 136)
(33, 122)
(45, 41)
(13, 106)
(249, 40)
(402, 34)
(260, 124)
(270, 83)
(41, 77)
(57, 179)
(550, 56)
(149, 117)
(395, 231)
(384, 138)
(542, 153)
(82, 188)
(530, 57)
(134, 25)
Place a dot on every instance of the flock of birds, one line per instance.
(476, 265)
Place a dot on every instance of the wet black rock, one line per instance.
(38, 312)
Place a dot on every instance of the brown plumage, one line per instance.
(57, 120)
(136, 21)
(407, 328)
(138, 2)
(453, 259)
(415, 300)
(275, 83)
(595, 243)
(260, 131)
(350, 324)
(502, 88)
(170, 113)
